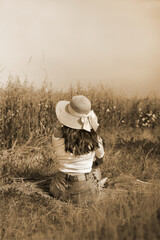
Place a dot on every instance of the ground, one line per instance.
(129, 207)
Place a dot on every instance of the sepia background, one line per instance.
(113, 42)
(63, 42)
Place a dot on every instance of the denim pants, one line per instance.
(80, 188)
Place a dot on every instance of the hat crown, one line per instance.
(80, 104)
(77, 113)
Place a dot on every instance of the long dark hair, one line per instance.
(79, 141)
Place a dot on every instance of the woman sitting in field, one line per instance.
(79, 151)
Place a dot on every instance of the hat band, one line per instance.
(74, 113)
(89, 120)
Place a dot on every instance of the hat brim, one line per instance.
(65, 118)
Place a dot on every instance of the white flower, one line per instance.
(143, 119)
(108, 110)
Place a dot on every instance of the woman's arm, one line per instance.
(100, 150)
(99, 153)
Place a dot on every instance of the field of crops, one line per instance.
(129, 207)
(25, 111)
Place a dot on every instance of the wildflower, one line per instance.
(123, 121)
(143, 119)
(46, 106)
(114, 107)
(144, 124)
(108, 110)
(154, 116)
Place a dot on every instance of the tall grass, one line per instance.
(128, 125)
(128, 209)
(26, 111)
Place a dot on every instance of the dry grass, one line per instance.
(118, 216)
(25, 112)
(129, 207)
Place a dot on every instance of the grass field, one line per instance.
(129, 208)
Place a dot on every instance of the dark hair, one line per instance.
(79, 141)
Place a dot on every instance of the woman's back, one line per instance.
(69, 162)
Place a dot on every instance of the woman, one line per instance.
(78, 149)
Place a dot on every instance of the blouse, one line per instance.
(75, 164)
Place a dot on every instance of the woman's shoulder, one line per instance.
(57, 138)
(58, 133)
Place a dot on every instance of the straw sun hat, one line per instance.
(77, 113)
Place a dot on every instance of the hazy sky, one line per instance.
(116, 42)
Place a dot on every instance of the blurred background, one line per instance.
(116, 43)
